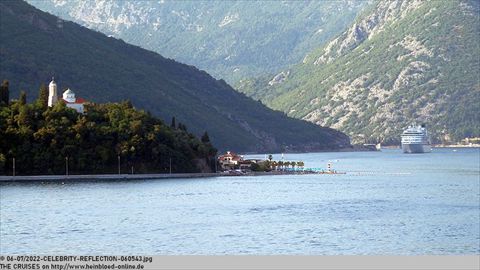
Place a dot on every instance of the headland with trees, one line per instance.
(106, 138)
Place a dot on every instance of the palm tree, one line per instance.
(293, 164)
(300, 164)
(280, 164)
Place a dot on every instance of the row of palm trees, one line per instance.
(283, 165)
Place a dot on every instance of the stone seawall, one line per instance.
(104, 177)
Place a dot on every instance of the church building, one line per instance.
(68, 98)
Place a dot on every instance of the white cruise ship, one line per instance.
(415, 140)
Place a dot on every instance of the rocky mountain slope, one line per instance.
(229, 39)
(36, 45)
(399, 62)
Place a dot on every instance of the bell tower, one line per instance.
(52, 93)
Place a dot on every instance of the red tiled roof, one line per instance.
(232, 155)
(77, 101)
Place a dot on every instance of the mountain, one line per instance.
(36, 45)
(229, 39)
(399, 62)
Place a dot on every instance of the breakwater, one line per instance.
(103, 177)
(116, 177)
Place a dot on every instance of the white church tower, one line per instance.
(52, 93)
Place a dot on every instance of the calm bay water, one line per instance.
(387, 203)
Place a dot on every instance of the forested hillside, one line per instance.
(36, 45)
(228, 39)
(41, 139)
(399, 62)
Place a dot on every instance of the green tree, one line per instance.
(182, 127)
(205, 138)
(41, 139)
(42, 100)
(255, 167)
(280, 164)
(4, 93)
(23, 98)
(173, 123)
(300, 164)
(2, 163)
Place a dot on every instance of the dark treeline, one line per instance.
(43, 140)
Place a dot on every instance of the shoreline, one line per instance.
(455, 146)
(438, 146)
(120, 177)
(354, 148)
(104, 177)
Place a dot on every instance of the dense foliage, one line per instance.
(41, 138)
(394, 66)
(229, 39)
(35, 46)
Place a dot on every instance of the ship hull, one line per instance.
(416, 148)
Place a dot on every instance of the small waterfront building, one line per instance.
(68, 97)
(245, 165)
(229, 160)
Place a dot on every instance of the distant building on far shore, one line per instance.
(232, 161)
(68, 97)
(229, 160)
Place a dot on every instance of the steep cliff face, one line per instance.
(36, 45)
(229, 39)
(399, 62)
(367, 27)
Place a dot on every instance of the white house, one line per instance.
(229, 160)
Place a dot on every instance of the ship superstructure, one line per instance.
(415, 140)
